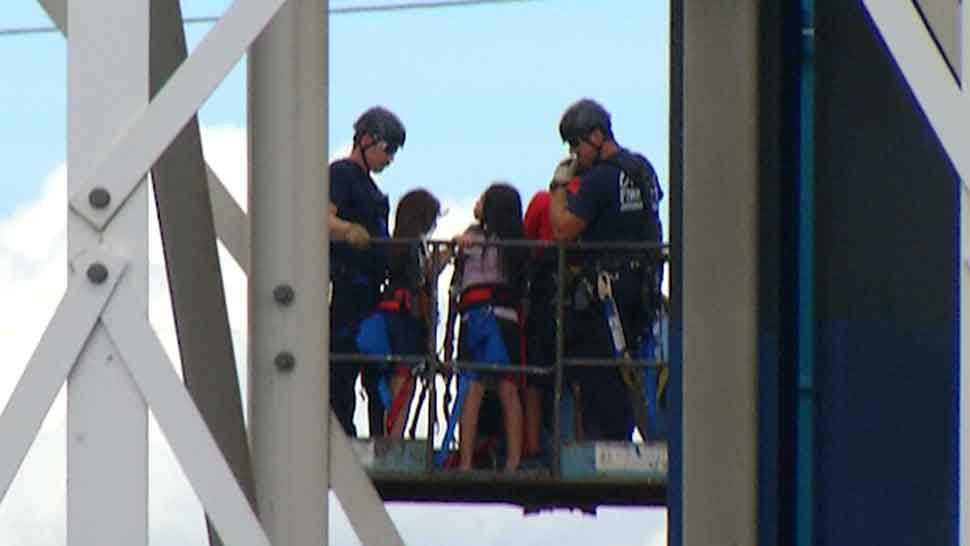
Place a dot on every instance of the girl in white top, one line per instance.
(490, 287)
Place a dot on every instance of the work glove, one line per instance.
(565, 172)
(357, 237)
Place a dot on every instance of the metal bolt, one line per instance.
(97, 273)
(285, 361)
(283, 294)
(99, 198)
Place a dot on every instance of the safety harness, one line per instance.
(401, 300)
(499, 296)
(638, 170)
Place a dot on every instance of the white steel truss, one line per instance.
(231, 223)
(946, 103)
(100, 339)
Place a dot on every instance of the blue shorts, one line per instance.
(489, 334)
(386, 333)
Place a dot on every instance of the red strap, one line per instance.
(474, 296)
(398, 404)
(573, 186)
(400, 300)
(502, 296)
(392, 306)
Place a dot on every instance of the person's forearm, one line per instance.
(338, 227)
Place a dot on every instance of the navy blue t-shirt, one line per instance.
(611, 204)
(357, 274)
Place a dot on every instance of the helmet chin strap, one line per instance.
(363, 154)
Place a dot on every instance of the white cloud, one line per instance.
(33, 274)
(226, 151)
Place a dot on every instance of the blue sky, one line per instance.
(480, 90)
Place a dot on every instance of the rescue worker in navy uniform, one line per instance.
(357, 273)
(604, 193)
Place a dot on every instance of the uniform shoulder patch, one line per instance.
(630, 196)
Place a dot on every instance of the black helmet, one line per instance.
(382, 124)
(581, 118)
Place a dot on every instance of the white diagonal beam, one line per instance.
(56, 354)
(180, 421)
(107, 421)
(927, 74)
(232, 225)
(137, 148)
(361, 503)
(351, 484)
(356, 492)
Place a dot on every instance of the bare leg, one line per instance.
(508, 394)
(469, 424)
(533, 420)
(397, 383)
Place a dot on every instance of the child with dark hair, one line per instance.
(400, 324)
(490, 283)
(540, 325)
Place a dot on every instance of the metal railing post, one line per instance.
(557, 389)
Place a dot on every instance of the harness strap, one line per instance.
(398, 404)
(400, 300)
(632, 377)
(417, 411)
(446, 399)
(464, 378)
(486, 294)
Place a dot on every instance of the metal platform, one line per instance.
(591, 474)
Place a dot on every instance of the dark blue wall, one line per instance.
(675, 442)
(886, 298)
(780, 55)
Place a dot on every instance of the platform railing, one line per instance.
(653, 254)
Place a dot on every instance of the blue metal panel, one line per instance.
(804, 461)
(783, 285)
(886, 262)
(886, 412)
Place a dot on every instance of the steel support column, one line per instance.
(288, 342)
(720, 351)
(231, 223)
(107, 421)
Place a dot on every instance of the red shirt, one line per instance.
(538, 223)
